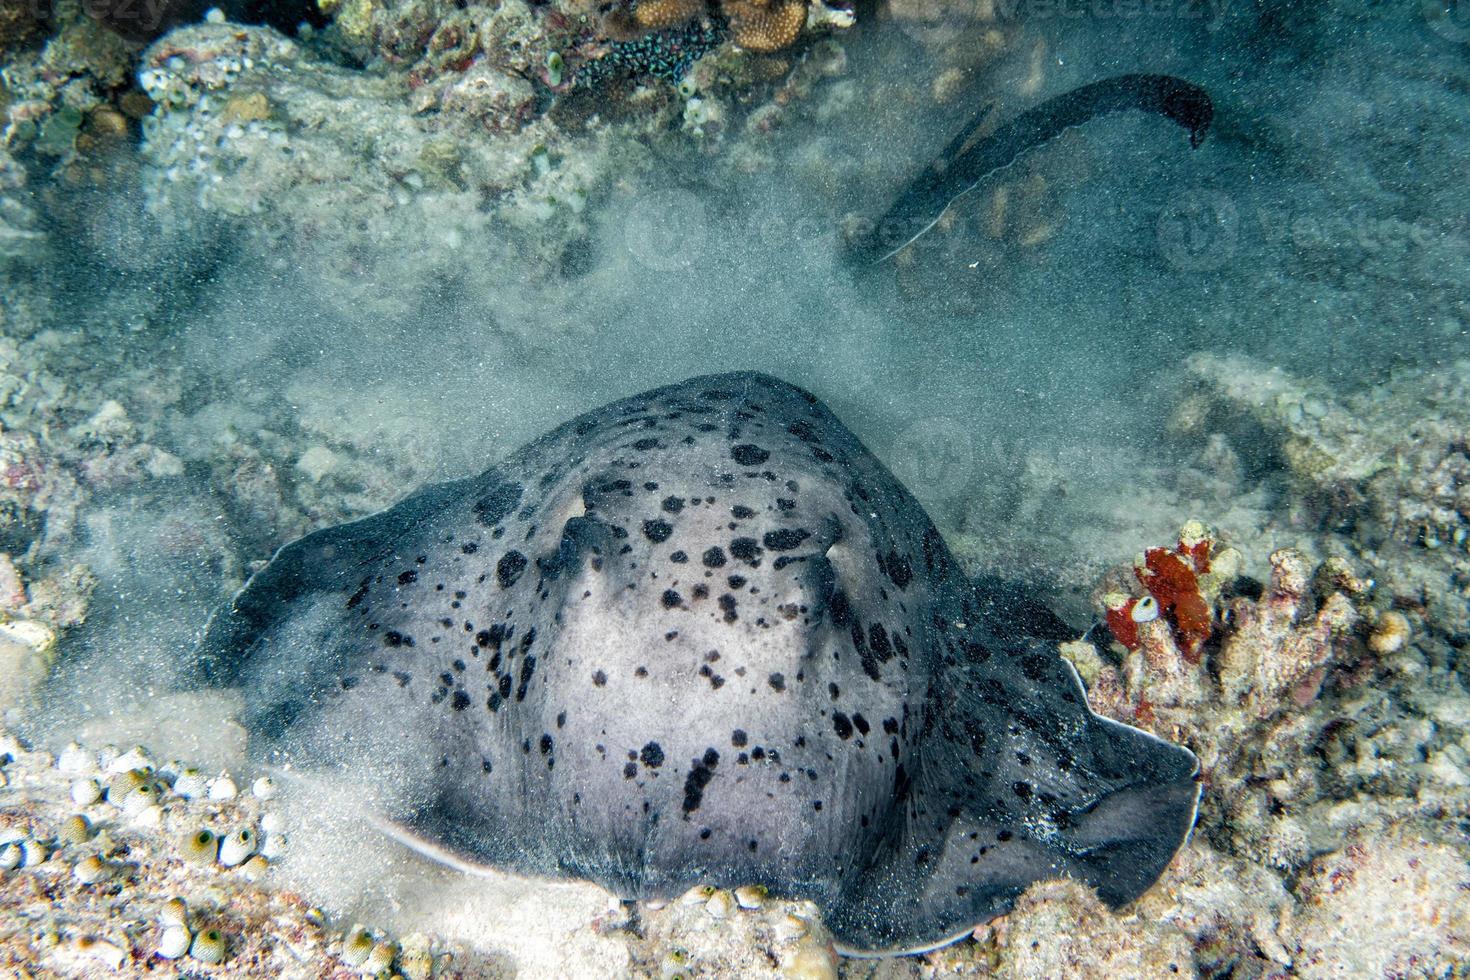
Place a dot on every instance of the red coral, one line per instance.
(1174, 583)
(1121, 622)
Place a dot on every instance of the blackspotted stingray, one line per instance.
(702, 635)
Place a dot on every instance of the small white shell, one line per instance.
(75, 829)
(698, 895)
(356, 946)
(139, 798)
(200, 845)
(273, 846)
(1145, 610)
(237, 847)
(190, 784)
(721, 904)
(208, 946)
(223, 788)
(85, 792)
(33, 852)
(379, 960)
(91, 870)
(264, 788)
(751, 896)
(174, 913)
(74, 758)
(136, 757)
(11, 857)
(174, 942)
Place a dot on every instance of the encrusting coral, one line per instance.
(622, 24)
(762, 26)
(765, 25)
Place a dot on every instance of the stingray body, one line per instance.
(702, 635)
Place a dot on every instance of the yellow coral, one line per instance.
(765, 25)
(649, 15)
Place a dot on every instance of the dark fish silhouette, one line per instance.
(969, 159)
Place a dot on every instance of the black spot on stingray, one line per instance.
(701, 591)
(699, 777)
(652, 755)
(736, 581)
(408, 577)
(657, 531)
(546, 743)
(671, 599)
(878, 641)
(508, 570)
(897, 568)
(747, 454)
(599, 678)
(630, 769)
(470, 547)
(459, 701)
(672, 505)
(737, 738)
(727, 605)
(745, 549)
(644, 445)
(741, 512)
(804, 431)
(777, 680)
(528, 669)
(678, 558)
(784, 539)
(492, 508)
(713, 557)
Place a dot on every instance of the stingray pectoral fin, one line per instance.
(1123, 844)
(325, 561)
(1025, 784)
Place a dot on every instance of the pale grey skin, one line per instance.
(569, 681)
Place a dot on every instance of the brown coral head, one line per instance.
(627, 24)
(764, 26)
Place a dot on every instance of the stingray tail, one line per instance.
(968, 158)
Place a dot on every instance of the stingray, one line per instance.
(971, 157)
(702, 636)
